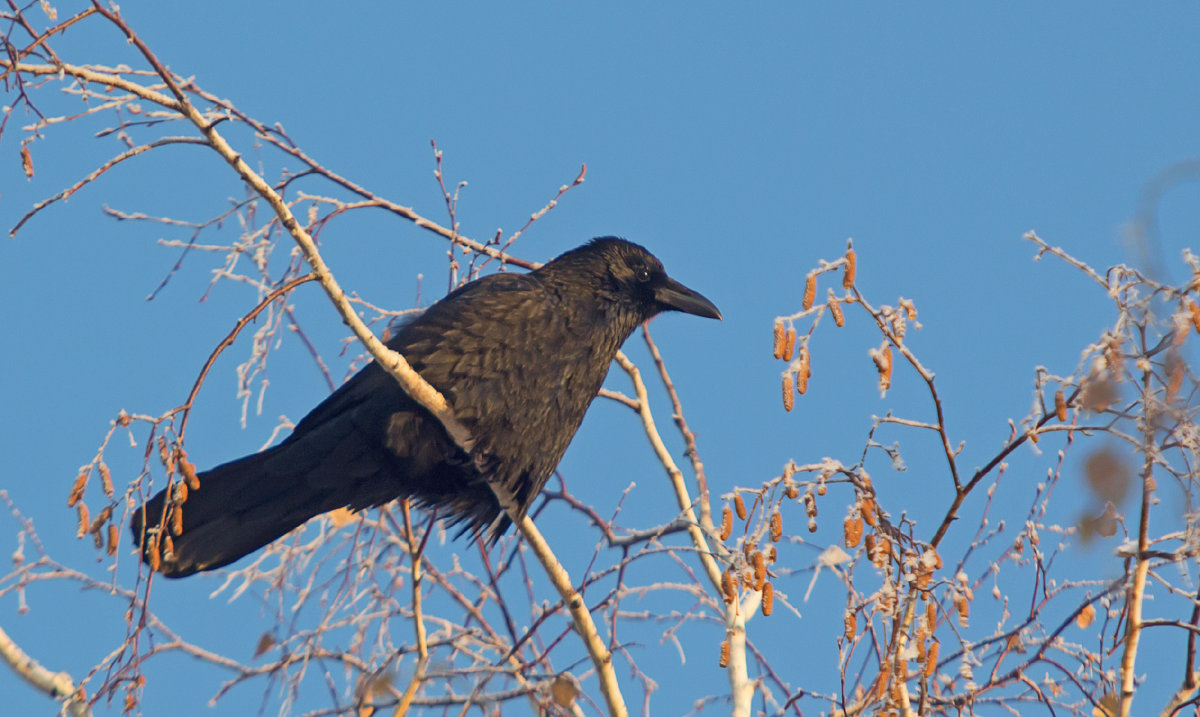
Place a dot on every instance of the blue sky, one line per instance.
(740, 145)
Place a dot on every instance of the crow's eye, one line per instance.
(643, 275)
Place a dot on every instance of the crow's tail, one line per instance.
(239, 507)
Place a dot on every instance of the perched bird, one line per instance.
(519, 357)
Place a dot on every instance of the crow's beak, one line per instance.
(675, 296)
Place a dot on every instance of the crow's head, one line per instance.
(629, 278)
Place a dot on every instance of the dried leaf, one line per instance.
(341, 517)
(265, 642)
(1108, 475)
(564, 690)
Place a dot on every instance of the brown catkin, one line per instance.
(793, 491)
(77, 489)
(885, 374)
(931, 659)
(724, 653)
(106, 480)
(850, 624)
(776, 526)
(729, 587)
(113, 536)
(176, 520)
(772, 554)
(852, 530)
(803, 371)
(26, 161)
(189, 471)
(100, 520)
(963, 606)
(168, 547)
(777, 347)
(760, 570)
(789, 398)
(851, 269)
(879, 688)
(1060, 405)
(740, 506)
(931, 615)
(768, 599)
(789, 344)
(726, 523)
(152, 554)
(810, 292)
(866, 506)
(179, 492)
(1194, 308)
(883, 551)
(839, 319)
(84, 521)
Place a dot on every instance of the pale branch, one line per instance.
(90, 74)
(57, 685)
(1137, 588)
(689, 438)
(682, 497)
(1044, 248)
(601, 657)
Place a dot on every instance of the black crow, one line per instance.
(519, 357)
